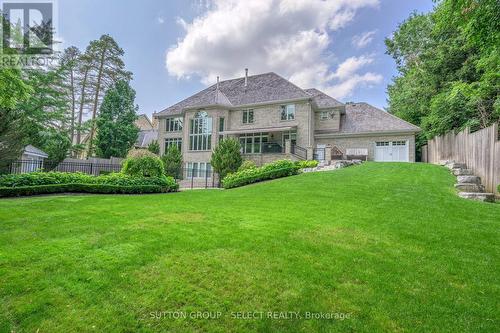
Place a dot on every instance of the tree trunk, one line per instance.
(82, 102)
(73, 105)
(96, 101)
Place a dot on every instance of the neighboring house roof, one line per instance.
(146, 137)
(322, 100)
(262, 88)
(364, 118)
(32, 150)
(144, 123)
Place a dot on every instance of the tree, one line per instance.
(106, 55)
(13, 90)
(154, 147)
(172, 161)
(226, 157)
(448, 63)
(70, 62)
(116, 131)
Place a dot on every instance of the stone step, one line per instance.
(470, 188)
(455, 165)
(469, 180)
(462, 172)
(484, 197)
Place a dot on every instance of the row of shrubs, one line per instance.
(248, 173)
(81, 188)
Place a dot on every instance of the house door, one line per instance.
(392, 151)
(319, 152)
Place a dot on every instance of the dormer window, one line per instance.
(288, 112)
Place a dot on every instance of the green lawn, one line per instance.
(390, 246)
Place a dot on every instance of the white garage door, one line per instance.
(392, 151)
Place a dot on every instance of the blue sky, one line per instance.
(176, 48)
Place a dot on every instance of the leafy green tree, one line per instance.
(154, 147)
(449, 65)
(226, 157)
(116, 131)
(13, 90)
(105, 58)
(172, 161)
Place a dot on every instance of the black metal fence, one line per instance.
(26, 166)
(198, 178)
(299, 151)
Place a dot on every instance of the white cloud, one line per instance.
(160, 20)
(290, 37)
(363, 39)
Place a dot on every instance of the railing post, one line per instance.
(206, 177)
(310, 153)
(288, 147)
(192, 178)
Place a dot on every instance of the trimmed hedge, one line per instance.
(81, 188)
(278, 169)
(58, 182)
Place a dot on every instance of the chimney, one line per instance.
(246, 77)
(217, 83)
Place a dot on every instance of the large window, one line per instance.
(221, 128)
(173, 142)
(288, 112)
(198, 170)
(174, 125)
(247, 116)
(252, 143)
(200, 132)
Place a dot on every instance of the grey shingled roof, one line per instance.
(261, 88)
(145, 138)
(29, 149)
(363, 118)
(322, 100)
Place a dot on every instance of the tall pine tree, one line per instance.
(116, 130)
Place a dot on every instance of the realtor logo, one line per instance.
(28, 27)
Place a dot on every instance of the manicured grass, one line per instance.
(391, 245)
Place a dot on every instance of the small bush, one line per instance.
(226, 157)
(278, 169)
(145, 166)
(172, 162)
(247, 164)
(136, 153)
(307, 164)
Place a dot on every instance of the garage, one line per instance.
(392, 151)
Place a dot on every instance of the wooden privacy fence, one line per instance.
(480, 151)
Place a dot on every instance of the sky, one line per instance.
(176, 48)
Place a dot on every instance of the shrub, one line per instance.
(307, 164)
(44, 178)
(81, 188)
(247, 164)
(226, 157)
(145, 166)
(135, 153)
(278, 169)
(36, 179)
(154, 147)
(172, 162)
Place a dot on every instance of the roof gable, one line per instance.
(322, 100)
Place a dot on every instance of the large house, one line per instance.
(274, 119)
